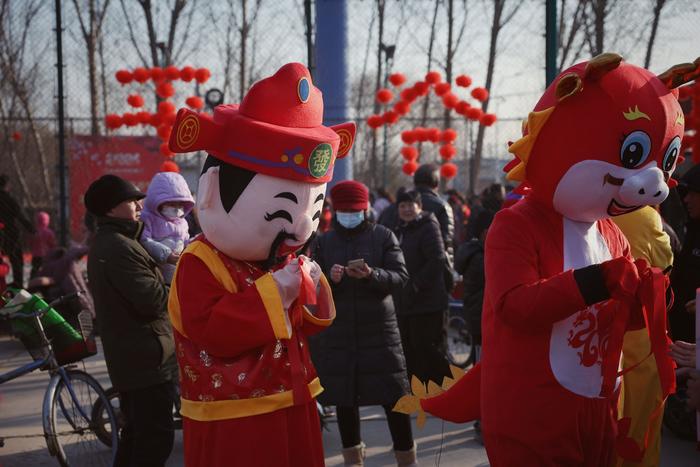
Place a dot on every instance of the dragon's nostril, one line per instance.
(641, 191)
(657, 193)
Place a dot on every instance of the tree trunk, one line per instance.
(447, 116)
(242, 64)
(94, 98)
(654, 26)
(374, 166)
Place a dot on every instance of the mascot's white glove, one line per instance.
(312, 268)
(288, 281)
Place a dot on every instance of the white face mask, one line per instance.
(172, 212)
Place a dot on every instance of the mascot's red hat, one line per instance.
(277, 130)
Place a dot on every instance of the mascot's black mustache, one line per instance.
(272, 258)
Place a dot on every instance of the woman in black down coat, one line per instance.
(424, 298)
(359, 357)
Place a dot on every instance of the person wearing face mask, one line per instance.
(166, 232)
(359, 357)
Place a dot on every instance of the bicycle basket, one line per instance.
(79, 349)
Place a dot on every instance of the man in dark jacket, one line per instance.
(426, 180)
(10, 214)
(131, 305)
(685, 276)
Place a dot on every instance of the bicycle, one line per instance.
(69, 424)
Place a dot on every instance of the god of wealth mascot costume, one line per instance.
(241, 302)
(561, 286)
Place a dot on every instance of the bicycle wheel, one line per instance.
(103, 427)
(459, 342)
(71, 431)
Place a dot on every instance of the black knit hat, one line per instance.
(412, 196)
(107, 192)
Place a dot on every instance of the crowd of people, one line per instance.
(392, 262)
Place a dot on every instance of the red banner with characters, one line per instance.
(134, 158)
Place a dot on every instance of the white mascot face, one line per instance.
(270, 211)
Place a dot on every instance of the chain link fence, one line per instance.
(240, 41)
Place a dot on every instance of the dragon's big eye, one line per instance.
(635, 149)
(669, 161)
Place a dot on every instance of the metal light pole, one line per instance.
(551, 45)
(62, 169)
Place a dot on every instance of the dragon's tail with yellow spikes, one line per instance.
(457, 401)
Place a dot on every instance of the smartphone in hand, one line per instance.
(356, 263)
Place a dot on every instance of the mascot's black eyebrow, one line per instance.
(287, 195)
(232, 180)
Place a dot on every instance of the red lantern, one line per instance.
(462, 107)
(194, 102)
(124, 76)
(164, 132)
(165, 150)
(433, 77)
(113, 121)
(408, 95)
(202, 75)
(135, 100)
(409, 153)
(165, 90)
(187, 74)
(384, 96)
(463, 81)
(421, 134)
(155, 120)
(16, 136)
(375, 121)
(169, 119)
(166, 107)
(130, 119)
(409, 168)
(449, 100)
(447, 151)
(143, 117)
(487, 119)
(141, 75)
(448, 170)
(390, 117)
(433, 134)
(169, 166)
(421, 88)
(172, 73)
(474, 113)
(480, 94)
(402, 107)
(157, 74)
(408, 137)
(448, 135)
(397, 79)
(442, 88)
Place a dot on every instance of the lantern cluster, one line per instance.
(163, 119)
(447, 137)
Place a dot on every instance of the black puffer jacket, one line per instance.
(443, 212)
(469, 262)
(422, 246)
(359, 358)
(131, 305)
(685, 279)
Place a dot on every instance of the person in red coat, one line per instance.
(561, 285)
(242, 303)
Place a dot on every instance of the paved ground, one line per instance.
(440, 444)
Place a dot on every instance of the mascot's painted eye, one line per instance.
(671, 155)
(635, 149)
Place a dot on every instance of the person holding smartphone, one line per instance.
(359, 358)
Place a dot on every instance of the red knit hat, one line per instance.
(277, 130)
(350, 195)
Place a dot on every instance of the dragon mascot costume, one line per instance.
(242, 302)
(603, 140)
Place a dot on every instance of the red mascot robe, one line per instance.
(259, 379)
(602, 141)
